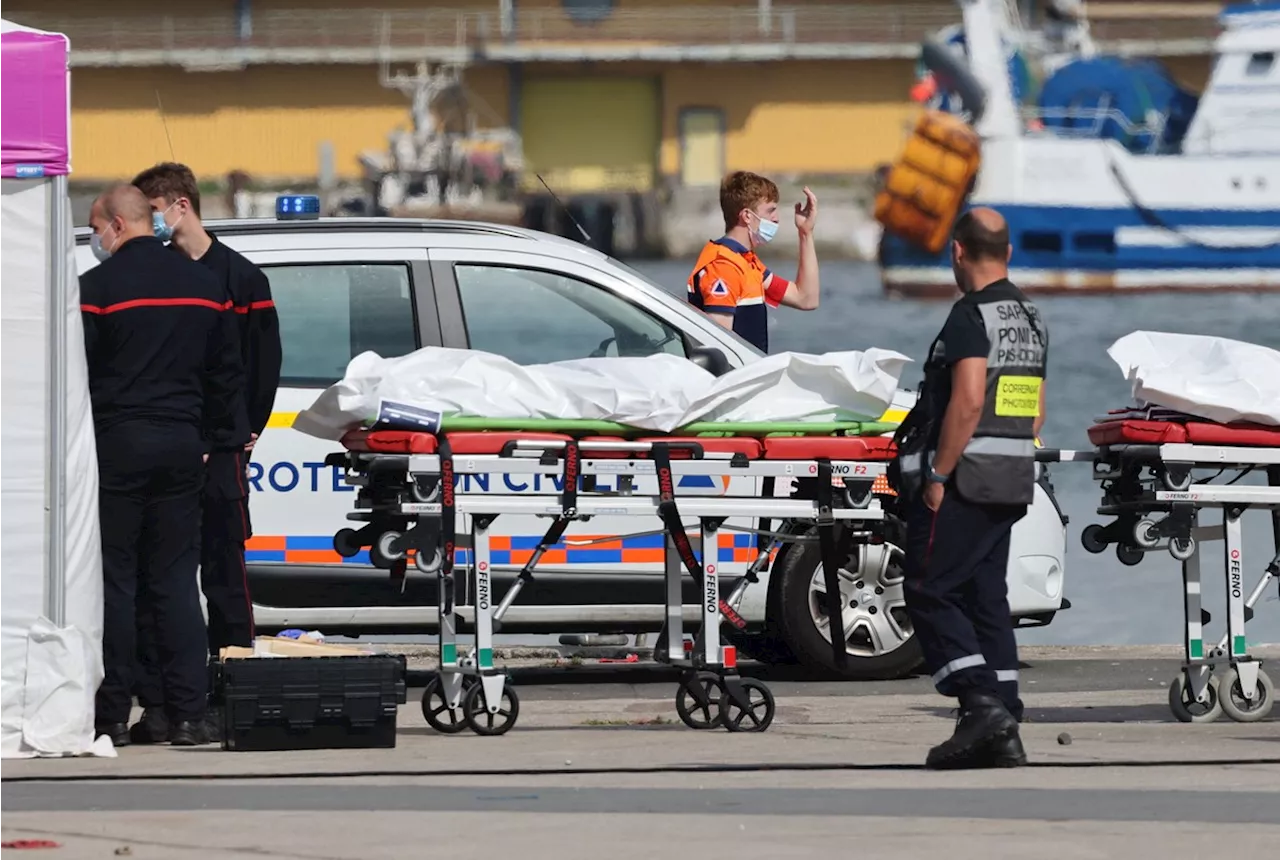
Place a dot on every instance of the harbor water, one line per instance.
(1111, 603)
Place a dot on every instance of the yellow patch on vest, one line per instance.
(1018, 396)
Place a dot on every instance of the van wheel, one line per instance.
(879, 639)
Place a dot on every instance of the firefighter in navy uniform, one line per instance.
(174, 196)
(967, 460)
(166, 382)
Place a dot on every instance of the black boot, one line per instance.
(153, 728)
(213, 725)
(118, 732)
(984, 722)
(187, 733)
(1006, 752)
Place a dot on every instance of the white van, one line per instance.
(346, 285)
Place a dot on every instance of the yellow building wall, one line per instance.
(266, 120)
(795, 117)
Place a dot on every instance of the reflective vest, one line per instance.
(998, 464)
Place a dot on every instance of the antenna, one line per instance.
(165, 123)
(563, 207)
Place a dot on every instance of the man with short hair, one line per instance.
(730, 283)
(980, 410)
(165, 382)
(174, 197)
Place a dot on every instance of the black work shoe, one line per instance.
(187, 733)
(213, 726)
(118, 732)
(153, 728)
(1005, 752)
(983, 722)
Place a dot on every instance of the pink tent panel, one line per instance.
(34, 103)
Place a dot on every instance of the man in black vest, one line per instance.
(984, 397)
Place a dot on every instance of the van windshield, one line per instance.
(670, 299)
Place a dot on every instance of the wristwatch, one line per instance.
(934, 478)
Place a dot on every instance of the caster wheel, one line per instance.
(428, 562)
(1182, 549)
(1128, 555)
(1186, 709)
(436, 711)
(1092, 539)
(1176, 485)
(475, 709)
(345, 543)
(424, 494)
(380, 552)
(1240, 709)
(1144, 534)
(758, 714)
(698, 700)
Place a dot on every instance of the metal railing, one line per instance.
(443, 28)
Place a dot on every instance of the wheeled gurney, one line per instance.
(1147, 462)
(407, 498)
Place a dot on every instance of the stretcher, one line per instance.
(408, 500)
(1152, 467)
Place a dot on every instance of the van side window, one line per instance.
(532, 316)
(330, 313)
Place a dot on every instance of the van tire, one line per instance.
(796, 570)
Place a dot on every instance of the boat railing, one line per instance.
(1092, 123)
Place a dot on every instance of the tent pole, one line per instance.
(55, 584)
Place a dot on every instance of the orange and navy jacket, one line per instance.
(259, 327)
(161, 343)
(729, 279)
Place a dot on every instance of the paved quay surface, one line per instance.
(599, 764)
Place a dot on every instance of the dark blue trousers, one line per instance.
(957, 595)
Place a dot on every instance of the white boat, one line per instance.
(1116, 180)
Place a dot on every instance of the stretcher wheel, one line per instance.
(1187, 709)
(1182, 549)
(428, 562)
(698, 700)
(476, 710)
(436, 711)
(1240, 709)
(1145, 535)
(758, 714)
(1093, 540)
(1178, 484)
(426, 495)
(1129, 555)
(381, 553)
(346, 543)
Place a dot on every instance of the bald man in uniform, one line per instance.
(967, 457)
(166, 384)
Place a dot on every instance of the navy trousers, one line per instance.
(956, 567)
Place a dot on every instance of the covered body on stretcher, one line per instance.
(1159, 470)
(405, 478)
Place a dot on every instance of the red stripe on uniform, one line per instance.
(155, 303)
(255, 306)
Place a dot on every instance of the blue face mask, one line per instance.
(765, 232)
(162, 230)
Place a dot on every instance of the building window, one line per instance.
(587, 11)
(701, 146)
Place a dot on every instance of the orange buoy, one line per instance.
(925, 189)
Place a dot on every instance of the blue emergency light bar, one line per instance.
(297, 207)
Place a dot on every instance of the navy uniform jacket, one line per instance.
(162, 345)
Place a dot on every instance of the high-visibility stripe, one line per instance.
(155, 303)
(1006, 674)
(956, 665)
(255, 306)
(1002, 446)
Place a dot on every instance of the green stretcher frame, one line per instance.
(573, 426)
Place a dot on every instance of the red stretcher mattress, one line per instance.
(1139, 432)
(769, 448)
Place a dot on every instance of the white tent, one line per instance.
(50, 553)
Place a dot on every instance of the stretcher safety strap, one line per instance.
(448, 532)
(568, 510)
(670, 516)
(830, 563)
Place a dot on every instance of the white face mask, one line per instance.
(765, 232)
(99, 251)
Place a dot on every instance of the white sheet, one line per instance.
(659, 392)
(1214, 378)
